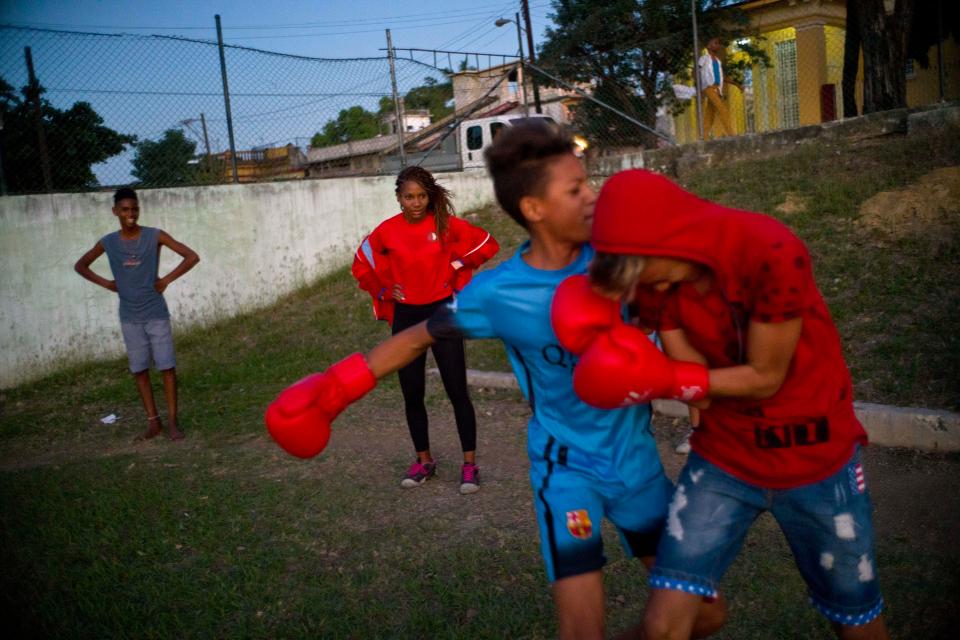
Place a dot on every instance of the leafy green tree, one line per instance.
(167, 162)
(354, 123)
(433, 96)
(631, 52)
(436, 97)
(75, 138)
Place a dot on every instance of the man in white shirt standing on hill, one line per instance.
(710, 68)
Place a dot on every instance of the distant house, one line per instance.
(263, 165)
(480, 93)
(802, 85)
(413, 120)
(472, 84)
(367, 157)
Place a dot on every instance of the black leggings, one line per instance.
(452, 362)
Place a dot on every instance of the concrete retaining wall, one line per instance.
(256, 242)
(681, 161)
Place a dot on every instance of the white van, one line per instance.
(477, 134)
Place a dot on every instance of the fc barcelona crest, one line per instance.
(578, 524)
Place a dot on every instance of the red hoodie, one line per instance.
(807, 430)
(410, 254)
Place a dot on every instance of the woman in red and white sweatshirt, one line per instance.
(411, 264)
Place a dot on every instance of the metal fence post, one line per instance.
(397, 105)
(696, 68)
(3, 176)
(33, 94)
(226, 101)
(521, 70)
(941, 73)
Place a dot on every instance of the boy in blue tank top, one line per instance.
(586, 464)
(134, 255)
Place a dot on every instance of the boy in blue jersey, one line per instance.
(586, 464)
(134, 255)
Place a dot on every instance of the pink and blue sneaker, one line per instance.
(418, 473)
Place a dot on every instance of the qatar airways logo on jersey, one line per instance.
(557, 356)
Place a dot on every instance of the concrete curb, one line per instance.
(887, 426)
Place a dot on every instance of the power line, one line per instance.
(409, 17)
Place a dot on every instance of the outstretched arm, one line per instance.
(299, 419)
(190, 260)
(82, 267)
(399, 350)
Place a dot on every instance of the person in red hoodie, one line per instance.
(752, 347)
(411, 264)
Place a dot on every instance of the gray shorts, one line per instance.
(150, 341)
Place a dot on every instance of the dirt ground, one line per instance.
(927, 207)
(916, 494)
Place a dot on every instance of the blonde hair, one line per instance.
(616, 273)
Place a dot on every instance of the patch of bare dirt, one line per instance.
(791, 205)
(928, 208)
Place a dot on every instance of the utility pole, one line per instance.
(521, 74)
(206, 140)
(226, 101)
(397, 104)
(533, 59)
(33, 95)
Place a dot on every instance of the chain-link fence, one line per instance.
(102, 110)
(87, 111)
(752, 68)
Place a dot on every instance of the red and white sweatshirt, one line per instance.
(412, 255)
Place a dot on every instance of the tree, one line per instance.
(933, 22)
(75, 140)
(851, 59)
(891, 39)
(884, 39)
(631, 52)
(431, 95)
(166, 162)
(354, 123)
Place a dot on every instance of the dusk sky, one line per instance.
(145, 86)
(319, 28)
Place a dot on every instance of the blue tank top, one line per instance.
(134, 264)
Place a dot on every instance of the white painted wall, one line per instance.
(256, 242)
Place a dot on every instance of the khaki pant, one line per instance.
(714, 106)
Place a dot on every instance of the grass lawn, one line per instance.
(223, 535)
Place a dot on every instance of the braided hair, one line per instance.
(439, 197)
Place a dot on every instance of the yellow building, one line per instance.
(802, 85)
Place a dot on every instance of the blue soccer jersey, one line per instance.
(586, 464)
(512, 302)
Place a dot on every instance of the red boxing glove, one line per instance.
(623, 367)
(299, 419)
(579, 314)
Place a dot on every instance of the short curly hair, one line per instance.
(124, 193)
